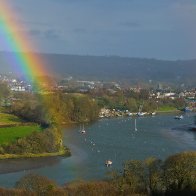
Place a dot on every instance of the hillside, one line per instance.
(113, 68)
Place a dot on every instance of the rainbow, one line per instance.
(28, 63)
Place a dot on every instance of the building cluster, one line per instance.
(106, 113)
(172, 94)
(15, 84)
(84, 86)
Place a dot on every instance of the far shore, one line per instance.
(112, 114)
(169, 111)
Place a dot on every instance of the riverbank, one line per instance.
(63, 152)
(168, 111)
(110, 113)
(20, 139)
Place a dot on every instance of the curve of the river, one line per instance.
(114, 139)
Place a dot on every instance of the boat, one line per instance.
(179, 117)
(153, 113)
(83, 131)
(108, 163)
(141, 114)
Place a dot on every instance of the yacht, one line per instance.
(83, 131)
(141, 113)
(108, 163)
(135, 125)
(179, 117)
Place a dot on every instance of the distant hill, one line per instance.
(114, 68)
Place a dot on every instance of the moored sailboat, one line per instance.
(135, 125)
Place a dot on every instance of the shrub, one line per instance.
(35, 183)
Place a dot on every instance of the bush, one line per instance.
(180, 173)
(91, 189)
(35, 183)
(46, 141)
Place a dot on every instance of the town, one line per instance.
(159, 93)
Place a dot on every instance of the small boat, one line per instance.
(153, 113)
(179, 117)
(141, 113)
(108, 163)
(83, 130)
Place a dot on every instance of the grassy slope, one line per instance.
(12, 128)
(10, 134)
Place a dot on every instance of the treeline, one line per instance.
(54, 108)
(50, 111)
(174, 176)
(49, 108)
(130, 100)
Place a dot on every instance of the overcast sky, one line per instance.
(163, 29)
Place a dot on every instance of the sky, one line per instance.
(162, 29)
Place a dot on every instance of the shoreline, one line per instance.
(26, 164)
(144, 115)
(170, 111)
(63, 152)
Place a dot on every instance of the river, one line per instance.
(114, 139)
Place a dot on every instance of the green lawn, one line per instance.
(166, 109)
(10, 134)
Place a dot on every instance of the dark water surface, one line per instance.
(114, 139)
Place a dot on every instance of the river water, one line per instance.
(114, 139)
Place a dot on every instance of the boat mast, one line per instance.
(135, 125)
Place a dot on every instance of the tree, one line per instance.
(132, 105)
(4, 90)
(134, 175)
(4, 94)
(143, 176)
(153, 175)
(35, 183)
(144, 94)
(180, 173)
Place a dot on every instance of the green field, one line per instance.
(12, 128)
(166, 109)
(10, 134)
